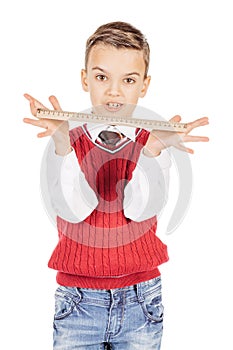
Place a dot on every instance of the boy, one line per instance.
(108, 253)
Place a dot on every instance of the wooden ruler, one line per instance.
(111, 120)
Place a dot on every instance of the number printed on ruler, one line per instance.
(111, 120)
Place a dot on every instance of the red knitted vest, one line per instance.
(107, 250)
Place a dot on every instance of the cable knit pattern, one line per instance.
(107, 250)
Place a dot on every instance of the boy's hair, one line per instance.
(120, 35)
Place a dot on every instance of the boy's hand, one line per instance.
(58, 129)
(159, 140)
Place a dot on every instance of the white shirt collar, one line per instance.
(95, 129)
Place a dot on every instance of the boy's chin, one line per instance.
(124, 110)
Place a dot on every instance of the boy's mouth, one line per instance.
(113, 106)
(117, 109)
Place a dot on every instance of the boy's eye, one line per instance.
(101, 77)
(129, 80)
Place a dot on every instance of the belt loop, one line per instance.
(78, 297)
(139, 293)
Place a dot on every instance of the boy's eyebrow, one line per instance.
(133, 73)
(102, 70)
(98, 68)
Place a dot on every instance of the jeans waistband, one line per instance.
(103, 296)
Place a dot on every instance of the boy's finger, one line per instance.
(34, 102)
(199, 122)
(35, 122)
(181, 147)
(28, 97)
(175, 119)
(33, 108)
(55, 103)
(44, 133)
(190, 138)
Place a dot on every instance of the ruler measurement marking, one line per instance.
(85, 117)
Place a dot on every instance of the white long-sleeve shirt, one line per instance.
(66, 192)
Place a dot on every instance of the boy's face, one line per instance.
(114, 78)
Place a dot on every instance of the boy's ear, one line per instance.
(145, 86)
(84, 80)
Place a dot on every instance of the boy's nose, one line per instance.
(114, 89)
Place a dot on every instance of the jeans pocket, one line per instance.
(152, 306)
(64, 305)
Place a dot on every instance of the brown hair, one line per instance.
(120, 35)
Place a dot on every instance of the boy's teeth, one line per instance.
(115, 105)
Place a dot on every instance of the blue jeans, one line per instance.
(126, 318)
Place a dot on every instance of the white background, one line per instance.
(42, 52)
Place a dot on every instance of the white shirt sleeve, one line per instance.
(70, 195)
(66, 192)
(146, 193)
